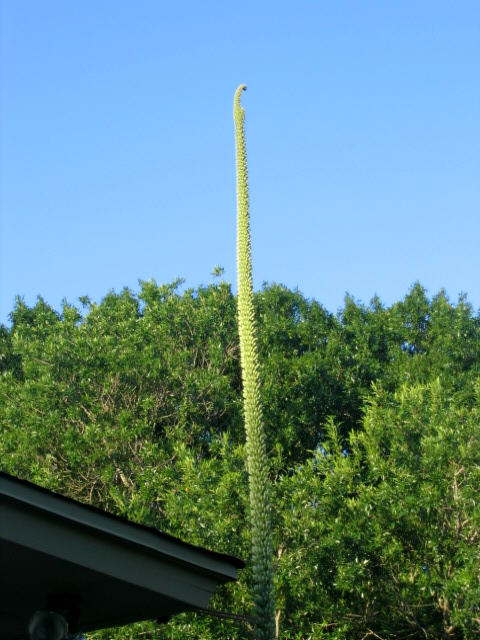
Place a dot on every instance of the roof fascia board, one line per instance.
(93, 549)
(79, 514)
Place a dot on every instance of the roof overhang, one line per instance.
(97, 569)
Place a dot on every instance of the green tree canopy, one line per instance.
(134, 405)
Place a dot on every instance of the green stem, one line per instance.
(262, 560)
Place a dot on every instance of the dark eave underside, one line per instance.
(110, 571)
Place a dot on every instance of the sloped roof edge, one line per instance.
(88, 515)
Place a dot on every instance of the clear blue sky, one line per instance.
(117, 148)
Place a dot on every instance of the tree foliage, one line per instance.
(372, 421)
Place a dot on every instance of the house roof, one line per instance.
(97, 569)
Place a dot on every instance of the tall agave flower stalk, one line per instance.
(261, 527)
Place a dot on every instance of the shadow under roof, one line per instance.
(97, 569)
